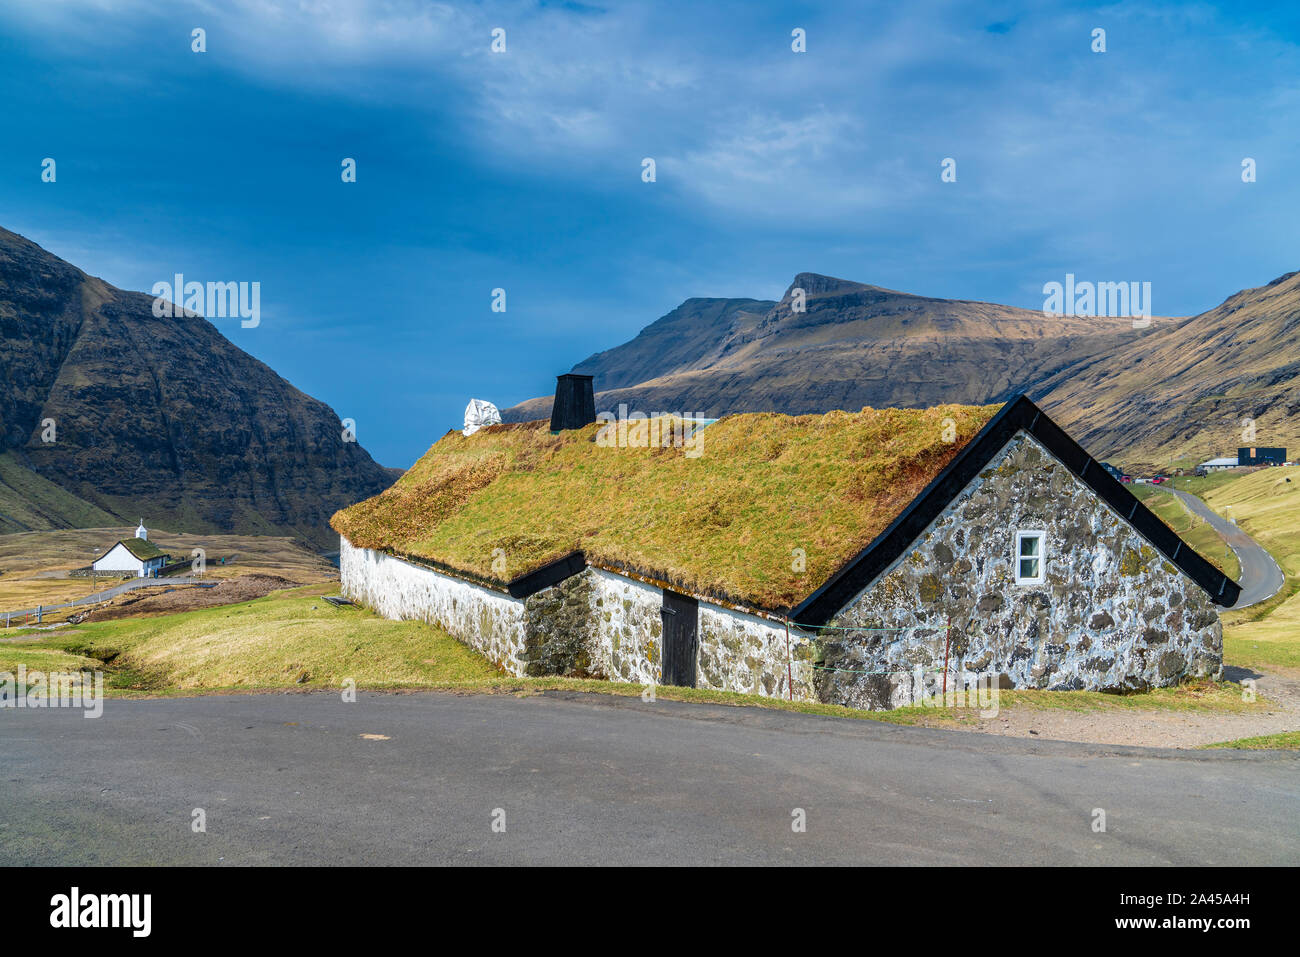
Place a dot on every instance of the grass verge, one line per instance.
(1193, 529)
(1283, 741)
(293, 640)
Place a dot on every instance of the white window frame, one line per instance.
(1021, 535)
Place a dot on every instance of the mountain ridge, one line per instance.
(851, 345)
(161, 417)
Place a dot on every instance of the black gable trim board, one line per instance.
(552, 573)
(1020, 413)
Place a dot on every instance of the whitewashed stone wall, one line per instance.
(489, 622)
(595, 624)
(1113, 613)
(740, 652)
(627, 627)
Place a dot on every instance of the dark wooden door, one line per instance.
(681, 646)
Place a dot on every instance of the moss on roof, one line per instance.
(141, 548)
(727, 523)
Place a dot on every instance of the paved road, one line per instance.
(1261, 578)
(96, 597)
(590, 779)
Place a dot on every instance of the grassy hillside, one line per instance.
(28, 501)
(1195, 531)
(506, 500)
(1267, 506)
(1183, 390)
(289, 638)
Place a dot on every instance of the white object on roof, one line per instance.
(478, 414)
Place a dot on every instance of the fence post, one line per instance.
(947, 641)
(789, 672)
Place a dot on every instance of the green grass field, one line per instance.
(293, 639)
(1194, 530)
(290, 638)
(34, 565)
(1267, 507)
(1284, 741)
(1201, 486)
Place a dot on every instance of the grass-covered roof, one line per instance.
(142, 548)
(768, 510)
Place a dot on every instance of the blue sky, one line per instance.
(522, 170)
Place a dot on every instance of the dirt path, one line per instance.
(1153, 728)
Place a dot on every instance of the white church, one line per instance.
(138, 555)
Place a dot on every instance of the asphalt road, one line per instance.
(591, 779)
(1261, 578)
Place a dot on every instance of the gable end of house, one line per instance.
(1020, 414)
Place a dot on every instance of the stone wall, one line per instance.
(1112, 613)
(490, 622)
(627, 628)
(596, 624)
(740, 652)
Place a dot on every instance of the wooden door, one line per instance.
(681, 615)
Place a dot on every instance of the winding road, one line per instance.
(1261, 578)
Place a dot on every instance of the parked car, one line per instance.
(1127, 478)
(1159, 480)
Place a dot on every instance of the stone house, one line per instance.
(969, 541)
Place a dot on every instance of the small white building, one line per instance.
(138, 555)
(1215, 465)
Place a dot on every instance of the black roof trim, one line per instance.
(1019, 413)
(549, 574)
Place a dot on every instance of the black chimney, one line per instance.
(575, 402)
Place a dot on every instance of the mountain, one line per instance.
(853, 345)
(1185, 389)
(161, 418)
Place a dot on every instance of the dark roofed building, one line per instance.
(1261, 456)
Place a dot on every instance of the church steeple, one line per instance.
(141, 531)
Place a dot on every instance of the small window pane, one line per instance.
(1029, 546)
(1029, 568)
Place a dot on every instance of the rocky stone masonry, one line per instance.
(740, 652)
(602, 625)
(596, 624)
(1113, 614)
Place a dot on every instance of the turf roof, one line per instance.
(727, 523)
(141, 548)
